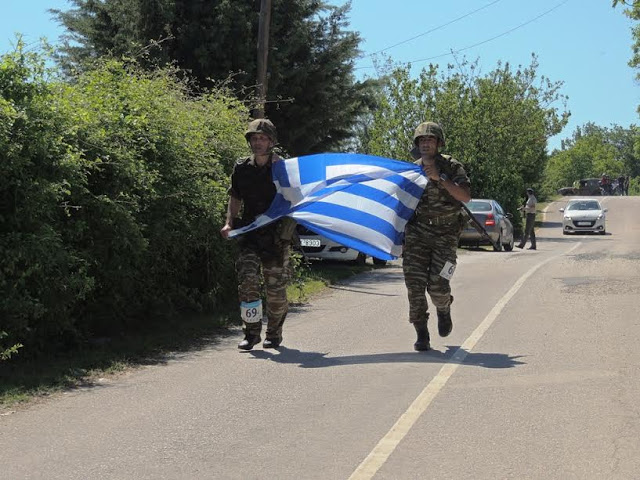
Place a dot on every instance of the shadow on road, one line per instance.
(548, 225)
(320, 360)
(572, 238)
(364, 292)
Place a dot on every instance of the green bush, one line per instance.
(7, 352)
(41, 276)
(112, 191)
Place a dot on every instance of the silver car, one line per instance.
(496, 222)
(584, 215)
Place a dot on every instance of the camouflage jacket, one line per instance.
(436, 201)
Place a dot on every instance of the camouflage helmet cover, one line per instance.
(428, 128)
(262, 125)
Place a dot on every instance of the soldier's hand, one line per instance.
(432, 172)
(224, 231)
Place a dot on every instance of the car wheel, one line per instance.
(564, 232)
(361, 259)
(603, 232)
(379, 261)
(509, 246)
(498, 245)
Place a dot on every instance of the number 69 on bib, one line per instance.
(251, 312)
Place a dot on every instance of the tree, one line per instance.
(497, 125)
(633, 12)
(591, 151)
(313, 97)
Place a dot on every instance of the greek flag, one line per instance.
(360, 201)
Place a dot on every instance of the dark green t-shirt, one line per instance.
(253, 185)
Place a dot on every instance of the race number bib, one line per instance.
(251, 312)
(447, 270)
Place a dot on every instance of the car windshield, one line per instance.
(476, 206)
(584, 206)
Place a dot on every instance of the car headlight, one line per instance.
(567, 217)
(601, 216)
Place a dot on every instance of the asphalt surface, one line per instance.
(538, 380)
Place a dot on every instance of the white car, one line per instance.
(584, 215)
(319, 247)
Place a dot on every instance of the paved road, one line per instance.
(540, 379)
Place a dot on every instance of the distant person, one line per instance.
(627, 179)
(529, 209)
(621, 182)
(605, 184)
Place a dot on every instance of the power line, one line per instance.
(432, 30)
(452, 52)
(492, 38)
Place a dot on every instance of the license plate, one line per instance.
(309, 242)
(583, 224)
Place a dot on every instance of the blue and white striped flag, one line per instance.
(360, 201)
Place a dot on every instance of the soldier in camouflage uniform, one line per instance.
(431, 236)
(266, 248)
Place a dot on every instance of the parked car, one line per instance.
(566, 191)
(319, 247)
(584, 186)
(584, 215)
(496, 222)
(589, 186)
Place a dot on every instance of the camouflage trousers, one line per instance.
(529, 230)
(427, 249)
(275, 270)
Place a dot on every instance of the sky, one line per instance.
(586, 44)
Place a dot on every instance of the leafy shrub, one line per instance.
(41, 276)
(112, 191)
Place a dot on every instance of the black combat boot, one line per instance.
(445, 325)
(422, 343)
(250, 340)
(274, 333)
(272, 342)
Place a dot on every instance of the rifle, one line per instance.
(478, 226)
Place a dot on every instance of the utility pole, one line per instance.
(263, 55)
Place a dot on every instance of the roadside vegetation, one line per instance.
(497, 124)
(29, 379)
(591, 151)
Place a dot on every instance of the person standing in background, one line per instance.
(529, 209)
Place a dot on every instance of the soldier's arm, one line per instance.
(461, 192)
(232, 212)
(458, 186)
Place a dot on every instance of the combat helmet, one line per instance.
(262, 125)
(428, 128)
